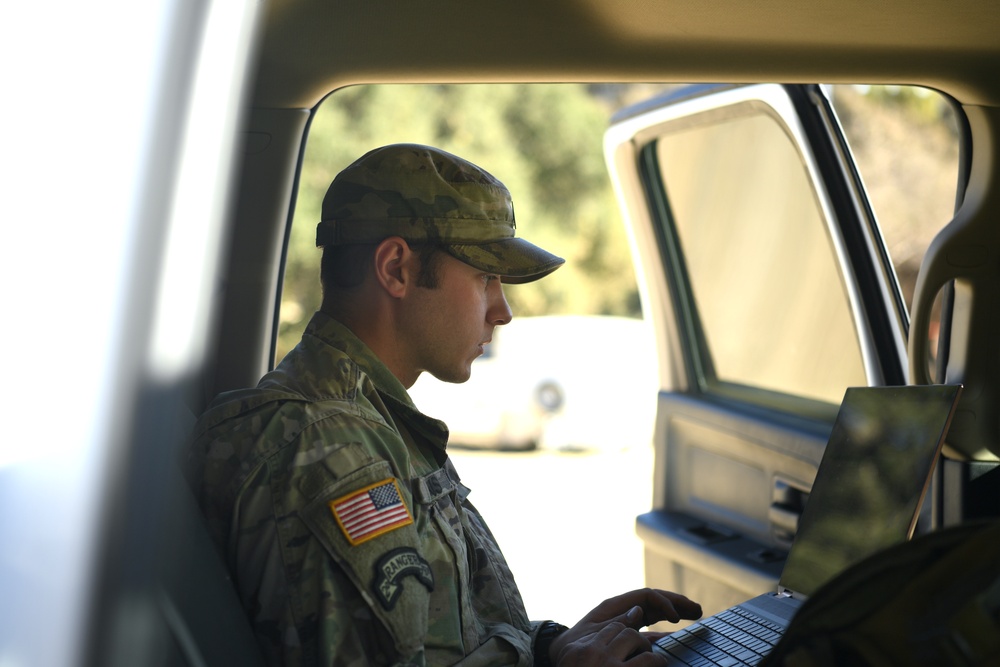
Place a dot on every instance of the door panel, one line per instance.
(733, 485)
(769, 291)
(720, 460)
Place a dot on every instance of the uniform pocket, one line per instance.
(488, 612)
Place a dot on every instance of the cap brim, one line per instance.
(514, 260)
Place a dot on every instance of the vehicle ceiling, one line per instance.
(311, 47)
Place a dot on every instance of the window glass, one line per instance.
(905, 143)
(761, 266)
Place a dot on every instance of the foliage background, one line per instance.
(544, 141)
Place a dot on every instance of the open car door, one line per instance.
(770, 291)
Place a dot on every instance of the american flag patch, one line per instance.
(371, 511)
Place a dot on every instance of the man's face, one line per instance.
(448, 325)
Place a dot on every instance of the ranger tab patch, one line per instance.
(395, 565)
(371, 511)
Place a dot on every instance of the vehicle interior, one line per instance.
(161, 595)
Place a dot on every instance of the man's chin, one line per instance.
(457, 377)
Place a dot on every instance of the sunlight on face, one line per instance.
(449, 324)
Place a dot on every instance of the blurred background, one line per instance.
(553, 439)
(544, 142)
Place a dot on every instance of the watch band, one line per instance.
(548, 631)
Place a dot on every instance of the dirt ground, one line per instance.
(565, 521)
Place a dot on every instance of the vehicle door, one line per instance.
(770, 291)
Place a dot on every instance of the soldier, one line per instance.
(347, 529)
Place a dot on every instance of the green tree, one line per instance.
(543, 141)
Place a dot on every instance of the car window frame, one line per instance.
(864, 265)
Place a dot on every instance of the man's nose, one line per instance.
(499, 312)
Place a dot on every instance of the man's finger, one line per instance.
(667, 606)
(627, 642)
(656, 605)
(634, 617)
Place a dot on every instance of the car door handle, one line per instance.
(787, 501)
(784, 521)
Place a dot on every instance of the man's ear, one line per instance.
(394, 264)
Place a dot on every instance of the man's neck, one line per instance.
(375, 330)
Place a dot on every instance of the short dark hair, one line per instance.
(344, 266)
(430, 258)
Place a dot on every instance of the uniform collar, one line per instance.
(394, 394)
(338, 336)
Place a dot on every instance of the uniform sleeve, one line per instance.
(302, 596)
(339, 565)
(361, 527)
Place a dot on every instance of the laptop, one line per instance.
(867, 496)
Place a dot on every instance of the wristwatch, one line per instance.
(548, 631)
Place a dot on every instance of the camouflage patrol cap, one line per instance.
(424, 194)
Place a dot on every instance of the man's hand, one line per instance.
(609, 634)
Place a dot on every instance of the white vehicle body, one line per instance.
(557, 381)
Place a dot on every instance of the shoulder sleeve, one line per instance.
(270, 481)
(364, 524)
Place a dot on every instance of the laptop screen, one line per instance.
(871, 481)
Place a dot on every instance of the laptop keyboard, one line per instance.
(732, 638)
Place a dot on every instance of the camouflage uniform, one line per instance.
(271, 464)
(345, 526)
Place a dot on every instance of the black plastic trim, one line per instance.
(807, 100)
